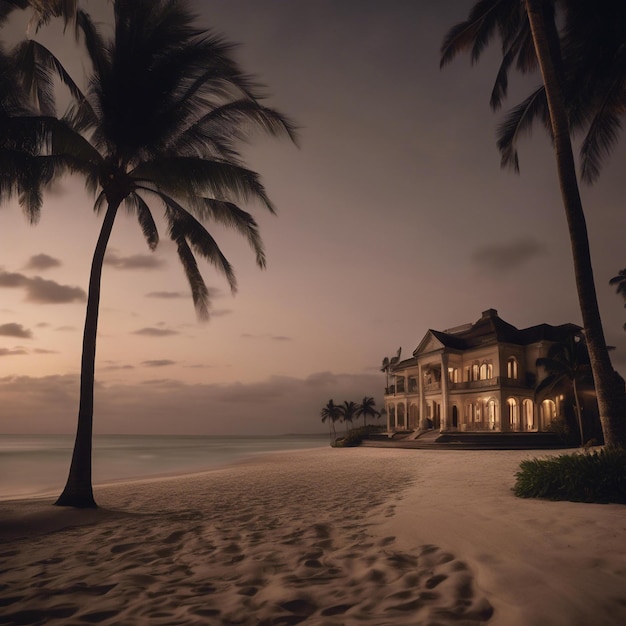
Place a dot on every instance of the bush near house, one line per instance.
(597, 476)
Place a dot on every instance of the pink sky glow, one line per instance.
(393, 217)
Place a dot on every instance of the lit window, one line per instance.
(511, 368)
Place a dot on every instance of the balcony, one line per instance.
(496, 381)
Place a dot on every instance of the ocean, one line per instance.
(37, 465)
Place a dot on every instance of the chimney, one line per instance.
(489, 313)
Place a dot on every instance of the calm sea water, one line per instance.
(33, 465)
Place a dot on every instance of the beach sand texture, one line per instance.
(329, 537)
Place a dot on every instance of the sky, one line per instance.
(393, 217)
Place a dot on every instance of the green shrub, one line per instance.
(582, 477)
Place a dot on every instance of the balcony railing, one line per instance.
(496, 381)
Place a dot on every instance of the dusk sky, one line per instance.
(393, 217)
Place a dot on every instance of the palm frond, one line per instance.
(518, 121)
(199, 290)
(620, 281)
(35, 75)
(97, 48)
(235, 120)
(191, 237)
(603, 132)
(192, 177)
(486, 19)
(138, 206)
(231, 216)
(519, 49)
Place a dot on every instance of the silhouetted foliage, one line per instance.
(515, 22)
(159, 125)
(584, 477)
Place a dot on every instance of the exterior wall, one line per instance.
(488, 389)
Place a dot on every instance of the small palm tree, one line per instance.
(620, 281)
(158, 126)
(567, 365)
(331, 413)
(367, 408)
(348, 412)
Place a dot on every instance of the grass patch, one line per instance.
(584, 477)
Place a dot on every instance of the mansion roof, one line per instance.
(489, 329)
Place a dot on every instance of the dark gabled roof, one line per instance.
(545, 332)
(448, 340)
(490, 328)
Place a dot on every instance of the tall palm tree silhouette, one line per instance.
(515, 21)
(366, 409)
(157, 127)
(330, 413)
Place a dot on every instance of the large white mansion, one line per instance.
(476, 377)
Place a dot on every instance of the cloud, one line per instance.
(42, 291)
(277, 405)
(66, 329)
(158, 363)
(266, 336)
(15, 330)
(42, 262)
(115, 368)
(503, 258)
(156, 332)
(133, 262)
(220, 312)
(168, 295)
(14, 352)
(43, 351)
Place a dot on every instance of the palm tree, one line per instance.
(547, 46)
(348, 412)
(389, 363)
(331, 413)
(620, 281)
(158, 125)
(367, 409)
(567, 364)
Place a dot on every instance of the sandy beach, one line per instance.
(332, 537)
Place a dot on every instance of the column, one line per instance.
(420, 402)
(444, 392)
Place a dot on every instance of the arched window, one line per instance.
(489, 370)
(476, 370)
(468, 374)
(512, 368)
(400, 415)
(392, 416)
(513, 413)
(548, 412)
(528, 411)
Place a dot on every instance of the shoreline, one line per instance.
(320, 536)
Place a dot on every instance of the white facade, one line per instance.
(478, 377)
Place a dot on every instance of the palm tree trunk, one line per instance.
(545, 39)
(78, 491)
(579, 415)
